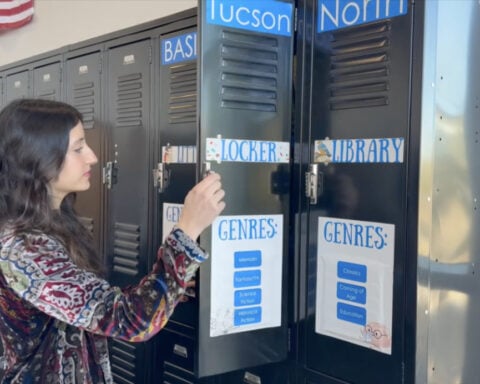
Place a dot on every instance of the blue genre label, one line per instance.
(247, 316)
(350, 292)
(247, 278)
(351, 271)
(265, 16)
(249, 297)
(337, 14)
(179, 48)
(351, 313)
(247, 259)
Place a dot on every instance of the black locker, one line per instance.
(83, 90)
(354, 86)
(47, 80)
(245, 80)
(175, 174)
(17, 85)
(128, 181)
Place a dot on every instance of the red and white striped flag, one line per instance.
(15, 13)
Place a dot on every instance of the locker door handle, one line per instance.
(250, 378)
(313, 183)
(161, 177)
(109, 174)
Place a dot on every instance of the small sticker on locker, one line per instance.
(129, 59)
(46, 78)
(83, 69)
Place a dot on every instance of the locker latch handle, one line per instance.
(109, 174)
(250, 378)
(161, 177)
(313, 183)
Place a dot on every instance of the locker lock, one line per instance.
(161, 177)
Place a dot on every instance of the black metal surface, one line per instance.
(339, 102)
(229, 60)
(83, 85)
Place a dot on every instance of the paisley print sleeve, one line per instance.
(43, 274)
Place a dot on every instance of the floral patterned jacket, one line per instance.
(55, 318)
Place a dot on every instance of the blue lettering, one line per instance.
(398, 154)
(247, 229)
(336, 14)
(357, 235)
(179, 48)
(384, 144)
(360, 148)
(268, 16)
(173, 214)
(372, 152)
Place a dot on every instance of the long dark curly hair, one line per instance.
(34, 138)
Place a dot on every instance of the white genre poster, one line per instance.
(355, 282)
(171, 214)
(246, 273)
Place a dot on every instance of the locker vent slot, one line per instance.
(47, 94)
(87, 223)
(172, 373)
(84, 101)
(359, 71)
(249, 71)
(123, 362)
(126, 246)
(182, 105)
(129, 100)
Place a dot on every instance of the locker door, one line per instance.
(177, 132)
(357, 124)
(84, 91)
(2, 91)
(47, 82)
(128, 178)
(245, 118)
(17, 86)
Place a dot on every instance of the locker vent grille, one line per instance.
(359, 72)
(249, 71)
(123, 362)
(47, 94)
(84, 101)
(126, 246)
(129, 100)
(182, 106)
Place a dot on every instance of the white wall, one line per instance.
(57, 23)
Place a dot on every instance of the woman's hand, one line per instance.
(202, 205)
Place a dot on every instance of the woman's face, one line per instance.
(74, 175)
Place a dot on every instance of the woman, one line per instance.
(55, 312)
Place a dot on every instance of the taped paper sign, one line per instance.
(247, 151)
(388, 150)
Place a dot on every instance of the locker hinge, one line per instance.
(100, 64)
(109, 174)
(150, 54)
(161, 177)
(313, 183)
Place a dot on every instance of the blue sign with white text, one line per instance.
(337, 14)
(179, 48)
(265, 16)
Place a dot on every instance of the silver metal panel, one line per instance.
(448, 338)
